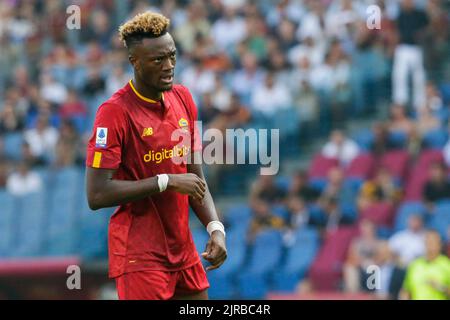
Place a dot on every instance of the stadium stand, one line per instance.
(331, 76)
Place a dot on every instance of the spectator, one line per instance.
(335, 188)
(299, 187)
(52, 91)
(270, 97)
(410, 243)
(381, 188)
(229, 30)
(333, 216)
(196, 24)
(428, 277)
(10, 121)
(28, 156)
(437, 187)
(299, 215)
(68, 147)
(72, 107)
(427, 121)
(341, 148)
(304, 96)
(95, 83)
(381, 142)
(235, 115)
(116, 79)
(208, 111)
(361, 255)
(221, 95)
(433, 98)
(263, 219)
(384, 260)
(408, 57)
(23, 181)
(248, 77)
(198, 79)
(42, 139)
(265, 189)
(5, 168)
(400, 122)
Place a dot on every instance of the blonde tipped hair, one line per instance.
(147, 24)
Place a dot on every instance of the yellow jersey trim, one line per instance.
(142, 97)
(97, 159)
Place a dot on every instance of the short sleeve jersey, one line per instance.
(141, 138)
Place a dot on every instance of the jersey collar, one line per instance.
(145, 99)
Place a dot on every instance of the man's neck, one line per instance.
(145, 91)
(432, 257)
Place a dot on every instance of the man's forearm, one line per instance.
(116, 192)
(205, 210)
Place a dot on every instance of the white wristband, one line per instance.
(163, 181)
(215, 225)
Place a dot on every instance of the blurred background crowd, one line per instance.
(363, 115)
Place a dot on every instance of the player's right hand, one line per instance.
(187, 183)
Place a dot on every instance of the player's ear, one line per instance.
(133, 61)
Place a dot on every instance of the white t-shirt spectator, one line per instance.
(243, 82)
(198, 80)
(19, 185)
(42, 143)
(269, 100)
(408, 245)
(345, 152)
(228, 32)
(54, 92)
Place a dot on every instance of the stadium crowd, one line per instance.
(248, 63)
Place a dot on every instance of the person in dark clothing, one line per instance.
(438, 187)
(299, 187)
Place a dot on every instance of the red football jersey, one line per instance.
(133, 135)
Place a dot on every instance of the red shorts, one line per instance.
(161, 285)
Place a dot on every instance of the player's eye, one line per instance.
(157, 60)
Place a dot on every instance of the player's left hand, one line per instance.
(216, 251)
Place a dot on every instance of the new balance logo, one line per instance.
(147, 132)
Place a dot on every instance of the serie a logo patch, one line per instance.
(101, 137)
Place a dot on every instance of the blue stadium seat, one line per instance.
(435, 139)
(63, 220)
(398, 139)
(384, 232)
(264, 257)
(440, 219)
(349, 210)
(238, 215)
(287, 121)
(13, 145)
(318, 183)
(443, 115)
(405, 211)
(32, 216)
(445, 92)
(93, 231)
(299, 257)
(364, 139)
(283, 182)
(222, 282)
(200, 237)
(7, 223)
(280, 211)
